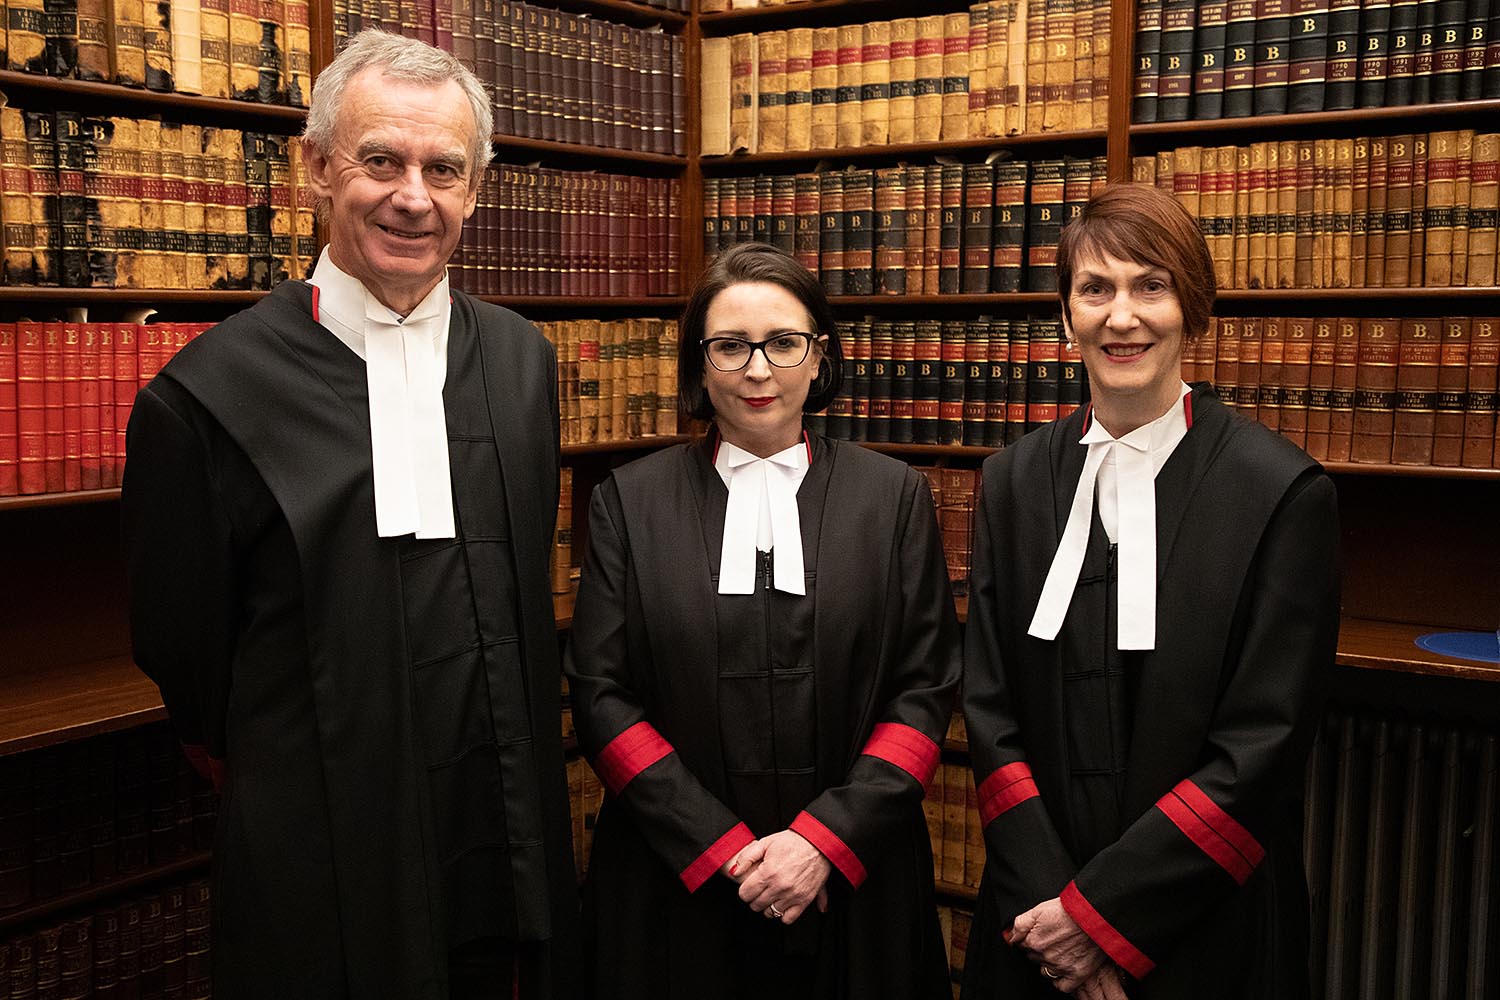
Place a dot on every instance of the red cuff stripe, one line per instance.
(711, 860)
(1222, 823)
(628, 754)
(905, 747)
(1126, 955)
(833, 848)
(1005, 789)
(1201, 834)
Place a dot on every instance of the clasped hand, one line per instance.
(1051, 939)
(783, 871)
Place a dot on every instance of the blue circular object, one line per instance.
(1481, 646)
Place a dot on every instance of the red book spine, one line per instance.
(1452, 382)
(1375, 390)
(10, 453)
(1320, 388)
(54, 407)
(1296, 373)
(127, 336)
(619, 232)
(636, 273)
(1479, 401)
(31, 433)
(673, 223)
(108, 460)
(88, 395)
(1341, 396)
(72, 406)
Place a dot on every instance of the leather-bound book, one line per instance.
(61, 18)
(932, 234)
(927, 380)
(996, 378)
(1017, 81)
(762, 208)
(1375, 390)
(1175, 76)
(806, 202)
(14, 888)
(244, 49)
(850, 81)
(1482, 19)
(1296, 376)
(1081, 99)
(26, 48)
(1261, 203)
(283, 218)
(1239, 59)
(72, 208)
(92, 46)
(215, 240)
(1398, 202)
(1273, 35)
(186, 31)
(978, 227)
(54, 453)
(956, 76)
(771, 92)
(859, 232)
(1320, 386)
(875, 86)
(1077, 178)
(1341, 395)
(1307, 85)
(974, 370)
(1072, 381)
(1375, 234)
(215, 56)
(236, 203)
(42, 152)
(1247, 389)
(1480, 401)
(1044, 357)
(882, 334)
(494, 55)
(890, 231)
(1343, 55)
(1463, 215)
(951, 229)
(1339, 267)
(903, 381)
(1227, 361)
(258, 208)
(31, 407)
(929, 69)
(903, 84)
(72, 400)
(1017, 371)
(194, 206)
(1401, 57)
(825, 55)
(113, 185)
(1374, 58)
(1044, 225)
(1009, 216)
(742, 73)
(914, 240)
(1359, 220)
(831, 243)
(1283, 252)
(1452, 384)
(997, 66)
(799, 88)
(17, 267)
(1308, 196)
(1442, 169)
(1269, 397)
(1416, 250)
(784, 213)
(979, 68)
(714, 97)
(1448, 59)
(1484, 210)
(857, 356)
(1208, 60)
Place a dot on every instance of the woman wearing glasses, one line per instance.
(763, 660)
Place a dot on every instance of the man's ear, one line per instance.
(315, 165)
(473, 200)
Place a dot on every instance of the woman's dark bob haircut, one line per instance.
(741, 264)
(1145, 225)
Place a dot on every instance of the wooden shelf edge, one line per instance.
(1315, 119)
(796, 13)
(79, 898)
(553, 147)
(951, 891)
(1325, 295)
(715, 164)
(929, 450)
(634, 444)
(987, 299)
(583, 303)
(636, 13)
(116, 95)
(1412, 471)
(148, 296)
(34, 500)
(1391, 646)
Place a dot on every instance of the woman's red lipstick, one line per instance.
(760, 401)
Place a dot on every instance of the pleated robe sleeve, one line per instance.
(1026, 862)
(1203, 839)
(180, 548)
(850, 822)
(692, 831)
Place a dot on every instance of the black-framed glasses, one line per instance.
(730, 354)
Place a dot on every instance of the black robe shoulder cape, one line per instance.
(337, 844)
(1201, 893)
(644, 675)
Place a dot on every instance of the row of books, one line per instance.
(1234, 58)
(1373, 212)
(946, 228)
(955, 922)
(88, 813)
(141, 203)
(1002, 68)
(972, 382)
(247, 50)
(66, 391)
(562, 553)
(951, 807)
(585, 796)
(616, 379)
(550, 74)
(1409, 391)
(152, 947)
(540, 231)
(955, 495)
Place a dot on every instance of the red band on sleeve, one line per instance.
(628, 754)
(832, 847)
(1005, 789)
(905, 747)
(1207, 841)
(1222, 823)
(1126, 955)
(711, 860)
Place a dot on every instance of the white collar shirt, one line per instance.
(761, 515)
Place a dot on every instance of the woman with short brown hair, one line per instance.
(1153, 608)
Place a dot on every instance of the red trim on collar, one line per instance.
(1187, 409)
(315, 303)
(807, 441)
(1088, 419)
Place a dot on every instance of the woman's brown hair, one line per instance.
(1141, 223)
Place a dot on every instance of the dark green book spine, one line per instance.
(762, 202)
(1273, 36)
(1401, 59)
(996, 380)
(951, 230)
(1306, 91)
(710, 218)
(927, 381)
(1475, 49)
(1143, 105)
(978, 232)
(1044, 220)
(1208, 60)
(1426, 54)
(1009, 215)
(744, 218)
(809, 222)
(857, 350)
(1374, 52)
(831, 246)
(1175, 79)
(881, 333)
(783, 213)
(890, 231)
(903, 380)
(859, 232)
(951, 390)
(1042, 371)
(1343, 55)
(1239, 59)
(975, 373)
(1447, 68)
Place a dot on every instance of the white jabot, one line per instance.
(761, 514)
(1124, 469)
(406, 364)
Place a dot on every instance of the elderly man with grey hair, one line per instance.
(338, 514)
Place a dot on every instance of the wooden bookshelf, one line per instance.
(634, 444)
(58, 499)
(1412, 471)
(952, 891)
(636, 14)
(929, 451)
(145, 296)
(815, 14)
(239, 114)
(1425, 297)
(1374, 645)
(735, 163)
(587, 303)
(191, 865)
(574, 154)
(1411, 117)
(990, 300)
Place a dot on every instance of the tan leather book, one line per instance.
(875, 88)
(799, 88)
(929, 99)
(979, 68)
(743, 70)
(825, 88)
(714, 98)
(903, 101)
(1058, 72)
(770, 87)
(850, 84)
(955, 76)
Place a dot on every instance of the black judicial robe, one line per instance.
(713, 719)
(326, 667)
(1159, 793)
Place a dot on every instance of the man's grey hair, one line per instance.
(409, 61)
